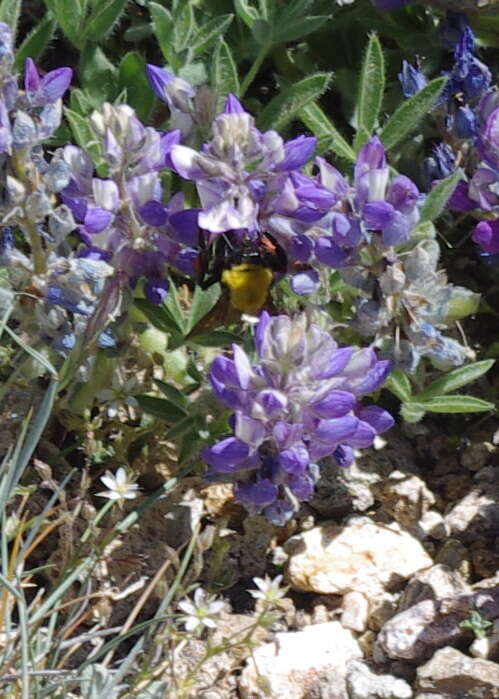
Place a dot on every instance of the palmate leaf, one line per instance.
(285, 107)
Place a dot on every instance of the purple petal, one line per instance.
(362, 437)
(55, 83)
(271, 401)
(486, 235)
(294, 460)
(334, 404)
(343, 455)
(260, 332)
(330, 254)
(167, 140)
(379, 419)
(156, 290)
(256, 494)
(233, 105)
(403, 194)
(287, 434)
(32, 80)
(378, 214)
(332, 364)
(158, 79)
(302, 486)
(226, 455)
(335, 430)
(297, 152)
(249, 431)
(459, 200)
(398, 231)
(154, 213)
(305, 282)
(185, 226)
(97, 220)
(301, 248)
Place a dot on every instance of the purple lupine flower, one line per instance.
(178, 95)
(238, 169)
(469, 76)
(411, 79)
(297, 404)
(47, 89)
(486, 235)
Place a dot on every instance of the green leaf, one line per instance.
(246, 12)
(262, 31)
(132, 78)
(36, 42)
(209, 33)
(412, 412)
(203, 300)
(216, 338)
(456, 378)
(69, 17)
(162, 23)
(285, 107)
(159, 316)
(172, 304)
(296, 28)
(398, 383)
(100, 24)
(161, 408)
(97, 74)
(439, 196)
(408, 115)
(183, 25)
(188, 424)
(224, 78)
(138, 32)
(173, 394)
(329, 138)
(371, 86)
(454, 404)
(9, 13)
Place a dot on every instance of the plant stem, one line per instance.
(31, 232)
(250, 76)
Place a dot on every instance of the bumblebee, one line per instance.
(246, 268)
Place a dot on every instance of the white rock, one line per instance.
(362, 683)
(354, 611)
(360, 556)
(295, 664)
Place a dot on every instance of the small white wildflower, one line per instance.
(268, 589)
(118, 398)
(199, 613)
(119, 486)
